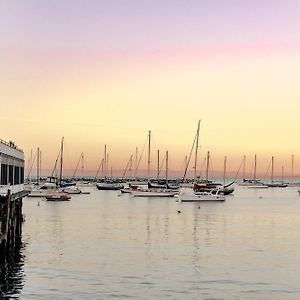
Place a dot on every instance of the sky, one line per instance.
(106, 72)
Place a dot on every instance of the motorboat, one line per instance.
(46, 189)
(109, 186)
(201, 196)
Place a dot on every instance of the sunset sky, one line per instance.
(106, 72)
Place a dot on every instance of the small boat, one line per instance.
(58, 197)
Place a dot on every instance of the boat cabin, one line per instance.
(11, 168)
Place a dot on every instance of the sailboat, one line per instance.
(255, 183)
(274, 184)
(58, 195)
(205, 185)
(128, 190)
(226, 189)
(108, 184)
(199, 195)
(154, 192)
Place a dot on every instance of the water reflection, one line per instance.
(12, 275)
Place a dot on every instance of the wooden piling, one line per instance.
(10, 223)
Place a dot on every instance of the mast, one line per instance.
(244, 168)
(82, 166)
(292, 166)
(61, 160)
(37, 165)
(80, 158)
(105, 162)
(130, 168)
(31, 162)
(157, 164)
(224, 177)
(149, 148)
(207, 166)
(102, 168)
(272, 173)
(196, 151)
(136, 163)
(167, 167)
(254, 177)
(282, 174)
(40, 172)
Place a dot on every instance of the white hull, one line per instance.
(257, 186)
(198, 198)
(147, 193)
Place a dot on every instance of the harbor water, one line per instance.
(106, 245)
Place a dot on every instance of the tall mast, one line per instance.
(82, 166)
(292, 166)
(167, 167)
(282, 174)
(130, 168)
(38, 166)
(254, 177)
(80, 159)
(61, 160)
(207, 166)
(244, 168)
(105, 162)
(149, 148)
(102, 168)
(225, 161)
(157, 164)
(196, 150)
(272, 173)
(136, 163)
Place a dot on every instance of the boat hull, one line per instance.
(153, 194)
(200, 198)
(109, 186)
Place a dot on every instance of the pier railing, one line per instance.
(10, 144)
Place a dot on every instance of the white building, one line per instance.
(11, 168)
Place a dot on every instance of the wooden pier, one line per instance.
(11, 219)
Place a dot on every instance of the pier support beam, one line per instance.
(10, 223)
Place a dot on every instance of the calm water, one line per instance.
(105, 246)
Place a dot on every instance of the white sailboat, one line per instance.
(256, 184)
(154, 192)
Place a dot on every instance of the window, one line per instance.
(11, 174)
(22, 175)
(3, 174)
(17, 175)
